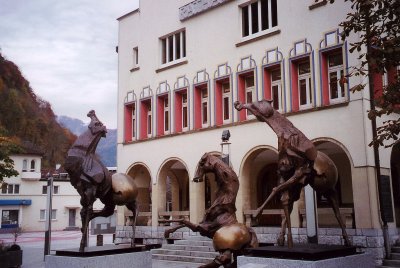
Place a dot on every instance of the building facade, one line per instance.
(182, 64)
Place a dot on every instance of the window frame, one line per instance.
(309, 87)
(247, 18)
(11, 188)
(166, 58)
(252, 91)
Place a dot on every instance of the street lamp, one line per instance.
(225, 146)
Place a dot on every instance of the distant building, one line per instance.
(182, 65)
(23, 199)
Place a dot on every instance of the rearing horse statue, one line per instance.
(299, 164)
(219, 222)
(92, 180)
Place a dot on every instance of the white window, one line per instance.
(149, 120)
(259, 16)
(43, 214)
(44, 189)
(276, 89)
(8, 188)
(56, 189)
(133, 122)
(204, 107)
(173, 47)
(250, 93)
(166, 115)
(25, 165)
(184, 112)
(226, 102)
(304, 84)
(33, 164)
(135, 57)
(335, 73)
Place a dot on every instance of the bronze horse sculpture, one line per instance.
(219, 222)
(299, 164)
(92, 180)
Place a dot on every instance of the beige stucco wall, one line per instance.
(211, 40)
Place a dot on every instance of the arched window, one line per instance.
(33, 165)
(25, 165)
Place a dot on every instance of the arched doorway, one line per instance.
(140, 173)
(344, 187)
(258, 177)
(173, 190)
(395, 173)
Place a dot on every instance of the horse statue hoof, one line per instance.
(281, 240)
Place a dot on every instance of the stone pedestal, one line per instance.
(363, 260)
(91, 259)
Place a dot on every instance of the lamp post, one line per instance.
(47, 235)
(226, 147)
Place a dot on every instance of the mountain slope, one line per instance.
(27, 117)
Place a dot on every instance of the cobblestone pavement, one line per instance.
(32, 245)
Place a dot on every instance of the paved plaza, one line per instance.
(32, 245)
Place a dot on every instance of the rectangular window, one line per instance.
(44, 189)
(54, 214)
(173, 47)
(226, 97)
(4, 188)
(276, 88)
(133, 122)
(166, 115)
(8, 188)
(42, 214)
(56, 189)
(304, 84)
(9, 217)
(135, 57)
(250, 91)
(184, 111)
(204, 104)
(259, 16)
(335, 74)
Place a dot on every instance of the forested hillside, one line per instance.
(27, 117)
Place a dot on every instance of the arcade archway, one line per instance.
(344, 187)
(140, 173)
(258, 177)
(173, 190)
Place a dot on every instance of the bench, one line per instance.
(164, 216)
(327, 217)
(248, 214)
(145, 215)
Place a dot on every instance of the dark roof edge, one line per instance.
(128, 14)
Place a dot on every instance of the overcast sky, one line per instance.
(66, 50)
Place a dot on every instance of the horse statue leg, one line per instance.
(331, 195)
(87, 200)
(183, 223)
(132, 206)
(287, 204)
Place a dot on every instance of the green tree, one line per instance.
(377, 24)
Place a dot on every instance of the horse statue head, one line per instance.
(206, 164)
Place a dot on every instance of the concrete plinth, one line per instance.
(363, 260)
(125, 260)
